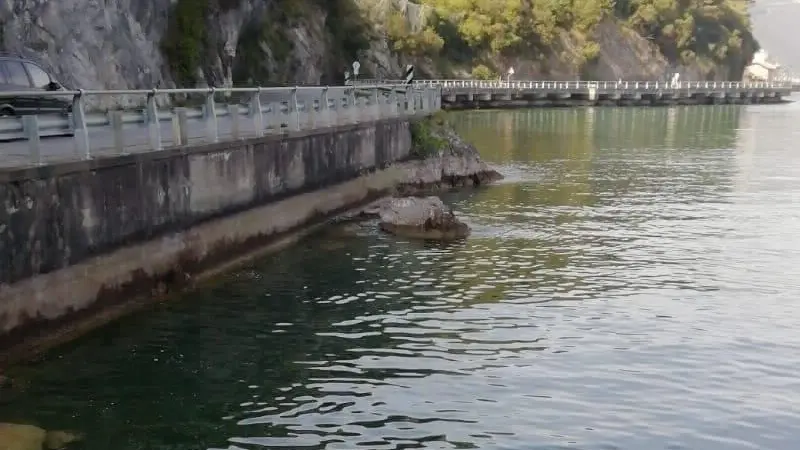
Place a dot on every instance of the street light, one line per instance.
(510, 73)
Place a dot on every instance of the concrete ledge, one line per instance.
(92, 232)
(34, 172)
(64, 304)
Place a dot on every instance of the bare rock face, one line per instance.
(421, 218)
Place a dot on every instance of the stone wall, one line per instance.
(79, 235)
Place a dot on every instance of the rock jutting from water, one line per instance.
(421, 218)
(15, 436)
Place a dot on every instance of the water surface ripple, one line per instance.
(633, 284)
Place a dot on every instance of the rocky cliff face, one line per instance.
(127, 44)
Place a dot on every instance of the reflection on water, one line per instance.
(631, 285)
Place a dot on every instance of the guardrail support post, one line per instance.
(180, 125)
(393, 99)
(212, 132)
(376, 104)
(119, 136)
(153, 126)
(294, 111)
(353, 106)
(233, 111)
(325, 108)
(81, 136)
(30, 125)
(257, 113)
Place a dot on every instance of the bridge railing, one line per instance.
(603, 85)
(257, 112)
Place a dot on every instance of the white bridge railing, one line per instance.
(259, 111)
(603, 85)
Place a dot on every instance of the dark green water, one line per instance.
(633, 283)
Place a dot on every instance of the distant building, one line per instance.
(760, 69)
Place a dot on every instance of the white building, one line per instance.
(760, 69)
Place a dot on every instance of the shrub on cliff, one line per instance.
(425, 141)
(685, 31)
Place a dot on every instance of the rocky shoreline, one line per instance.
(442, 161)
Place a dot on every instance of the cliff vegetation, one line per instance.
(163, 43)
(706, 34)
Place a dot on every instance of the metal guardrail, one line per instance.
(268, 110)
(621, 85)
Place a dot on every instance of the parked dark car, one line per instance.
(21, 74)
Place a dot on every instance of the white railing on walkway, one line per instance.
(603, 85)
(261, 111)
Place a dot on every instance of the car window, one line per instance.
(40, 78)
(16, 74)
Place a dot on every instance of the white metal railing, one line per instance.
(602, 85)
(262, 111)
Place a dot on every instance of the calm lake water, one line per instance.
(634, 283)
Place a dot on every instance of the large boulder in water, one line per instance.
(421, 217)
(28, 437)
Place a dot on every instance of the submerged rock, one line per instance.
(421, 217)
(28, 437)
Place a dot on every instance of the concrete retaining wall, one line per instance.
(79, 235)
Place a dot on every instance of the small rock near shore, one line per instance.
(28, 437)
(422, 218)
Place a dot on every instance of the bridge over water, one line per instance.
(504, 94)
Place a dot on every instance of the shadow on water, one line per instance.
(604, 300)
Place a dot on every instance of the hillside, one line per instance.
(145, 43)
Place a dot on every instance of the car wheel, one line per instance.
(6, 112)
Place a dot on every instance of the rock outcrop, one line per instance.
(443, 160)
(28, 437)
(421, 218)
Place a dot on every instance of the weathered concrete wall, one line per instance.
(79, 235)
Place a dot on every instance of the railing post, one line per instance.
(353, 106)
(376, 104)
(233, 112)
(153, 127)
(117, 124)
(180, 132)
(294, 110)
(393, 106)
(30, 125)
(212, 132)
(324, 108)
(257, 114)
(81, 136)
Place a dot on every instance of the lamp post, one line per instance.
(510, 73)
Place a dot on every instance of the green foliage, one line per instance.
(425, 141)
(349, 31)
(425, 42)
(692, 30)
(684, 30)
(481, 72)
(185, 40)
(463, 32)
(502, 25)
